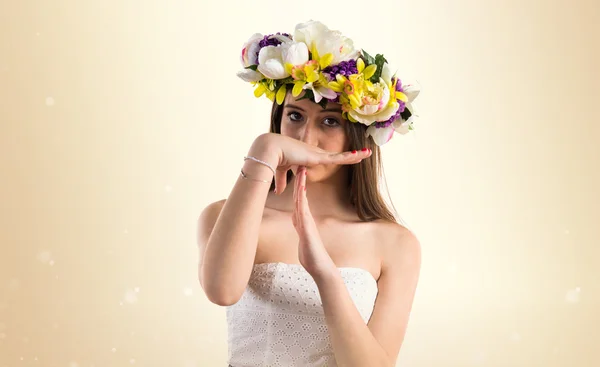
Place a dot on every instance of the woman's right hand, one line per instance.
(294, 153)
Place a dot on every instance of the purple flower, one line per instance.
(344, 68)
(393, 118)
(269, 40)
(398, 85)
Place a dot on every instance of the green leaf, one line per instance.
(368, 58)
(405, 114)
(286, 80)
(308, 93)
(253, 67)
(379, 61)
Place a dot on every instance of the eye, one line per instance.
(290, 114)
(334, 122)
(297, 117)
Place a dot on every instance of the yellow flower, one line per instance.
(368, 71)
(309, 76)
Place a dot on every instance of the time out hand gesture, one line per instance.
(311, 251)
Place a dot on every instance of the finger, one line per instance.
(298, 200)
(303, 179)
(300, 186)
(303, 208)
(280, 181)
(350, 157)
(298, 183)
(295, 190)
(302, 204)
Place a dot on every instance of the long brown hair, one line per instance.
(363, 177)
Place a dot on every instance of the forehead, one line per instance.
(306, 103)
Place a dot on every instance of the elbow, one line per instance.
(390, 362)
(223, 300)
(217, 295)
(387, 362)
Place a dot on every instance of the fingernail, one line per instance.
(364, 149)
(354, 151)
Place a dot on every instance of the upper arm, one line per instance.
(397, 286)
(206, 222)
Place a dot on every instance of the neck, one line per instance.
(326, 198)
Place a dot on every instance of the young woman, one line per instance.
(311, 265)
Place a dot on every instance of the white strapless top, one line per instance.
(279, 320)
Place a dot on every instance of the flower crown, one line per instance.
(325, 64)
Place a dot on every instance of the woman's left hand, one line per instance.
(311, 252)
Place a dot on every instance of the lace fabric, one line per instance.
(279, 320)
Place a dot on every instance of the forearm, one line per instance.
(352, 341)
(231, 248)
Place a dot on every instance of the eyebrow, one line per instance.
(333, 109)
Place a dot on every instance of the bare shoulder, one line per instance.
(400, 246)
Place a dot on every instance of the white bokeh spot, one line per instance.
(573, 295)
(130, 296)
(44, 256)
(515, 337)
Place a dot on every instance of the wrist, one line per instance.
(265, 150)
(260, 159)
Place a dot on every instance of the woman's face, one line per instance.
(307, 121)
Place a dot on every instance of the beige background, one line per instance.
(121, 120)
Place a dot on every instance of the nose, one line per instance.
(309, 134)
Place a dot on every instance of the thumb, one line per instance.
(280, 181)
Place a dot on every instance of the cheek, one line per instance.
(337, 141)
(286, 128)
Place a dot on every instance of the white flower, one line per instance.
(249, 54)
(380, 135)
(401, 126)
(384, 134)
(316, 34)
(334, 42)
(309, 32)
(380, 111)
(249, 57)
(249, 75)
(320, 91)
(411, 91)
(271, 59)
(295, 53)
(386, 73)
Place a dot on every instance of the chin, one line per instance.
(311, 171)
(318, 174)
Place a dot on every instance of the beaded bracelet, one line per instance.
(261, 162)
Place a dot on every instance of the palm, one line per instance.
(311, 252)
